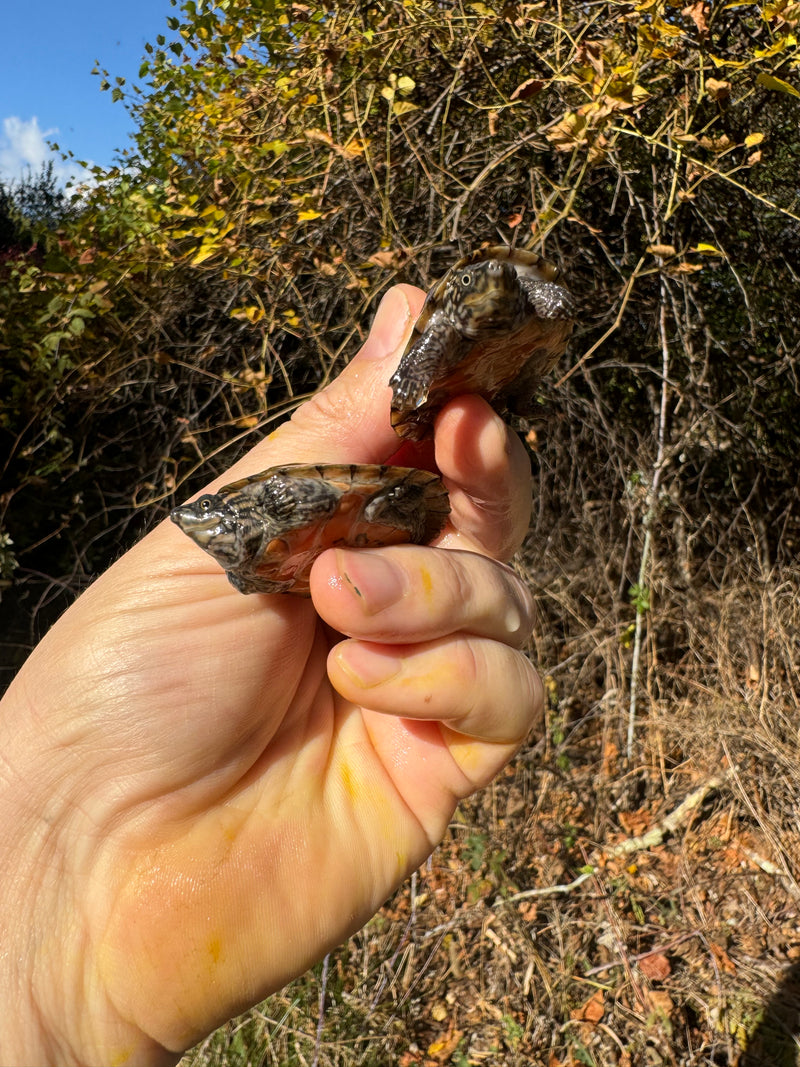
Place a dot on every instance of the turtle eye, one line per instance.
(204, 503)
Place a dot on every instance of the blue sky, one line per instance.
(47, 91)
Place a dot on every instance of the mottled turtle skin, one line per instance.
(265, 531)
(494, 325)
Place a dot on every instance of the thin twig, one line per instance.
(649, 516)
(637, 273)
(651, 839)
(323, 988)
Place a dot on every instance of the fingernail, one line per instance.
(376, 581)
(364, 666)
(389, 326)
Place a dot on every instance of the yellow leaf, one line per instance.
(406, 85)
(779, 46)
(709, 250)
(666, 28)
(354, 147)
(308, 215)
(736, 64)
(252, 313)
(204, 252)
(769, 81)
(401, 107)
(185, 211)
(753, 139)
(566, 134)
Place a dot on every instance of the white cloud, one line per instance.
(23, 148)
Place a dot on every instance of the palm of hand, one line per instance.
(242, 815)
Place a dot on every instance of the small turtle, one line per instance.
(494, 325)
(266, 531)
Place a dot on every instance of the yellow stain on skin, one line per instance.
(215, 949)
(231, 831)
(348, 781)
(467, 753)
(121, 1056)
(427, 582)
(441, 677)
(370, 800)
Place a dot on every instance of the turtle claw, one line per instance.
(408, 393)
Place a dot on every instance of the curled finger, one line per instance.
(477, 687)
(409, 593)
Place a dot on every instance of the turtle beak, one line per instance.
(202, 526)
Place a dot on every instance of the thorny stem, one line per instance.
(649, 515)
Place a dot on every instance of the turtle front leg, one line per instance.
(425, 360)
(418, 508)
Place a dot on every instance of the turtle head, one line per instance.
(483, 297)
(212, 524)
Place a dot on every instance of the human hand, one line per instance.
(204, 792)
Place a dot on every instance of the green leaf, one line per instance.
(640, 598)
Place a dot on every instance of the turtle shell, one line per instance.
(267, 530)
(493, 325)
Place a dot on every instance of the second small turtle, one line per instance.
(494, 325)
(266, 531)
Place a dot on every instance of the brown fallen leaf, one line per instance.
(724, 961)
(697, 13)
(443, 1050)
(717, 89)
(592, 1011)
(656, 966)
(659, 1002)
(527, 88)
